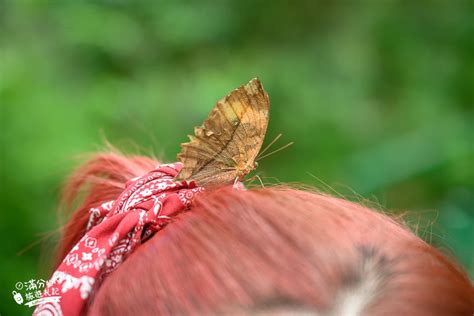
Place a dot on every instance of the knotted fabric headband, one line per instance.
(114, 230)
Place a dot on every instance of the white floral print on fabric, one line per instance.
(114, 229)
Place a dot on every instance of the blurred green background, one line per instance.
(377, 96)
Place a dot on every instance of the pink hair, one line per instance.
(266, 249)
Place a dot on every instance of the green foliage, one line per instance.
(377, 96)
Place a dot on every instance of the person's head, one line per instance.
(267, 251)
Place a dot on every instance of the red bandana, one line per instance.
(114, 230)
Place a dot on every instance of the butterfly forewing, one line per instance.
(229, 138)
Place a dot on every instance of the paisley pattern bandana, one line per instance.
(114, 230)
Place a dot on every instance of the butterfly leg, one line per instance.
(238, 185)
(259, 179)
(251, 179)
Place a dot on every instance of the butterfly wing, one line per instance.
(231, 136)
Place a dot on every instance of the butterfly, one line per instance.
(224, 148)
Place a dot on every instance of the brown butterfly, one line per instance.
(223, 149)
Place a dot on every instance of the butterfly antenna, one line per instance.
(269, 145)
(275, 151)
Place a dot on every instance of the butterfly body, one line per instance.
(225, 146)
(244, 169)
